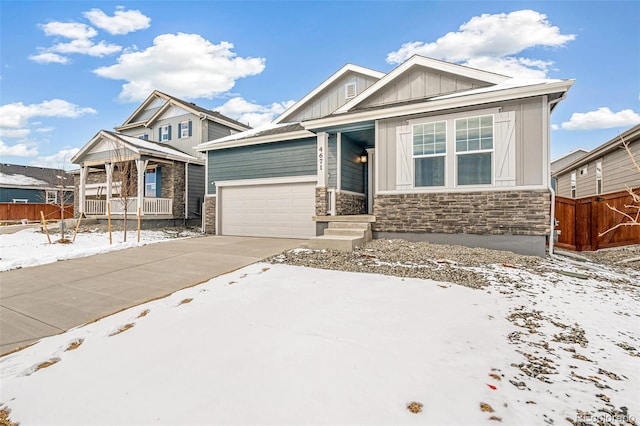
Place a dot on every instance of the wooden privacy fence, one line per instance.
(19, 211)
(579, 221)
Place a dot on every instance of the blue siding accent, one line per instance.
(276, 159)
(332, 162)
(352, 171)
(159, 182)
(32, 195)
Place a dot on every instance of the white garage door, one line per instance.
(273, 210)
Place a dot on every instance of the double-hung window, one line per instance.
(165, 133)
(573, 184)
(150, 183)
(52, 197)
(474, 150)
(184, 129)
(429, 153)
(599, 177)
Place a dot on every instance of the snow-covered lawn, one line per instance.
(281, 344)
(30, 247)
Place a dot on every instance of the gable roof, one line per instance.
(335, 76)
(421, 61)
(188, 106)
(631, 135)
(18, 176)
(139, 146)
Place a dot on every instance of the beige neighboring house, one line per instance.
(604, 170)
(568, 158)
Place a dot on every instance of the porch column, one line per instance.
(109, 169)
(82, 189)
(322, 156)
(141, 166)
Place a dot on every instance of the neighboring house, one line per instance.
(27, 184)
(150, 161)
(432, 151)
(604, 170)
(562, 161)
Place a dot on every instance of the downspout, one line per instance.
(552, 227)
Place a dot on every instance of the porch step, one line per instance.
(334, 242)
(344, 236)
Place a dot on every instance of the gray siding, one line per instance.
(196, 189)
(217, 131)
(618, 172)
(529, 142)
(276, 159)
(124, 154)
(351, 171)
(331, 98)
(418, 83)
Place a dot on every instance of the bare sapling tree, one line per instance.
(125, 171)
(60, 195)
(630, 217)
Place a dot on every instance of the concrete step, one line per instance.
(334, 242)
(345, 231)
(349, 225)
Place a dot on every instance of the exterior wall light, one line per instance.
(363, 157)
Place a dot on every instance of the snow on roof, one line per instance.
(154, 146)
(20, 180)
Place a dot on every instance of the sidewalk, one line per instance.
(44, 300)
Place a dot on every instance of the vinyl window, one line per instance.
(573, 184)
(474, 150)
(599, 177)
(429, 153)
(52, 197)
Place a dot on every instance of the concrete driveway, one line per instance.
(44, 300)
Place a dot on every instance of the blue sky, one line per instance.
(69, 69)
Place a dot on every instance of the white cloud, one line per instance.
(17, 150)
(86, 47)
(253, 114)
(184, 65)
(72, 30)
(49, 57)
(602, 118)
(16, 115)
(123, 21)
(45, 129)
(490, 41)
(14, 133)
(59, 160)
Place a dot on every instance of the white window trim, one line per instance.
(20, 201)
(599, 177)
(573, 183)
(164, 131)
(184, 125)
(51, 195)
(477, 151)
(451, 168)
(444, 154)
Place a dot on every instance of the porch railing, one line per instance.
(150, 206)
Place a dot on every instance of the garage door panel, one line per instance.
(278, 210)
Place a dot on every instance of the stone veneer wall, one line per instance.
(349, 203)
(490, 212)
(321, 201)
(172, 186)
(210, 214)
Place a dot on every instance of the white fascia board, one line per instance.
(39, 188)
(159, 112)
(266, 181)
(447, 67)
(441, 104)
(153, 95)
(300, 134)
(89, 145)
(335, 76)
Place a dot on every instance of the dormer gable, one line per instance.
(345, 84)
(421, 78)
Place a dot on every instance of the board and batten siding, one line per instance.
(332, 97)
(332, 161)
(419, 83)
(529, 136)
(196, 189)
(269, 160)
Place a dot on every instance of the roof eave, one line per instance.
(212, 146)
(441, 104)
